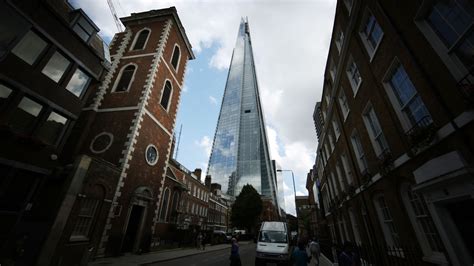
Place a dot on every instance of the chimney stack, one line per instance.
(207, 181)
(198, 172)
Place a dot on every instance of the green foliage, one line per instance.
(246, 209)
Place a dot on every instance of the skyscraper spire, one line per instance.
(240, 152)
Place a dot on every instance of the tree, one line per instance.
(246, 209)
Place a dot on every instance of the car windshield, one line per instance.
(273, 237)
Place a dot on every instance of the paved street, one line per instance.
(215, 258)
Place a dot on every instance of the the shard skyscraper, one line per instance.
(240, 152)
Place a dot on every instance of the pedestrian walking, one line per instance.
(199, 241)
(300, 256)
(315, 251)
(234, 253)
(347, 257)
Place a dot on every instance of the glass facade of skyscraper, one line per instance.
(240, 150)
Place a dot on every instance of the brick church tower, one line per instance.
(129, 123)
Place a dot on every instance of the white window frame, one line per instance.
(371, 121)
(136, 38)
(359, 151)
(339, 40)
(344, 104)
(332, 70)
(354, 226)
(179, 57)
(339, 177)
(347, 169)
(171, 95)
(355, 86)
(365, 38)
(452, 62)
(429, 254)
(331, 139)
(403, 118)
(337, 128)
(334, 185)
(119, 76)
(385, 222)
(326, 149)
(168, 205)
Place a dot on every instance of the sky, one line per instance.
(290, 40)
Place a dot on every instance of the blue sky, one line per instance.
(290, 40)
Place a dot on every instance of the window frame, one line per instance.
(343, 102)
(90, 218)
(170, 96)
(132, 47)
(40, 54)
(339, 41)
(86, 85)
(65, 73)
(350, 75)
(384, 222)
(119, 76)
(376, 138)
(179, 57)
(454, 65)
(157, 155)
(371, 50)
(359, 152)
(389, 89)
(164, 218)
(430, 255)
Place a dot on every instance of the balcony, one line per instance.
(385, 162)
(421, 134)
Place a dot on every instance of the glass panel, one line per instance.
(56, 67)
(50, 132)
(77, 83)
(81, 32)
(165, 98)
(125, 79)
(25, 114)
(4, 94)
(465, 49)
(86, 25)
(141, 39)
(174, 60)
(29, 48)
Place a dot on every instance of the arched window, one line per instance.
(164, 204)
(175, 58)
(140, 40)
(165, 97)
(423, 225)
(125, 79)
(174, 206)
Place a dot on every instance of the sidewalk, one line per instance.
(159, 256)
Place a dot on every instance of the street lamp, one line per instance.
(294, 187)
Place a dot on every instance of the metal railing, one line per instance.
(466, 86)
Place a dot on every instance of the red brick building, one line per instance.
(124, 137)
(395, 151)
(219, 208)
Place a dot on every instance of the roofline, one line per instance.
(171, 11)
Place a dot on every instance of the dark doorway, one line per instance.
(132, 228)
(463, 217)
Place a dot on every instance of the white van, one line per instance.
(273, 244)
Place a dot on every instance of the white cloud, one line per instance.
(206, 144)
(185, 88)
(213, 100)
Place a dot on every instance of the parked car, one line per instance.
(219, 237)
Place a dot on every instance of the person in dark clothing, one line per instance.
(234, 253)
(348, 257)
(300, 256)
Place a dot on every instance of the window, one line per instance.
(349, 4)
(386, 221)
(56, 67)
(354, 76)
(84, 219)
(175, 58)
(375, 131)
(24, 116)
(164, 205)
(29, 48)
(326, 149)
(339, 40)
(347, 169)
(422, 223)
(337, 130)
(332, 70)
(78, 83)
(355, 226)
(404, 97)
(84, 29)
(5, 93)
(453, 23)
(174, 205)
(331, 139)
(339, 176)
(371, 33)
(335, 189)
(343, 103)
(52, 129)
(141, 39)
(151, 154)
(126, 78)
(359, 152)
(165, 97)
